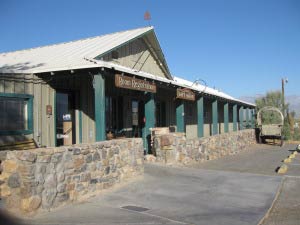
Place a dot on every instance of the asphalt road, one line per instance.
(233, 190)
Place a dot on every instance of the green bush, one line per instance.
(286, 130)
(296, 136)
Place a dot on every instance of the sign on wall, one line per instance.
(134, 84)
(185, 94)
(49, 110)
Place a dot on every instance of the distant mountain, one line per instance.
(293, 100)
(250, 99)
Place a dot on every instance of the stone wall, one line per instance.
(46, 178)
(176, 148)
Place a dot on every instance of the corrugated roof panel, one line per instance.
(64, 55)
(77, 54)
(208, 90)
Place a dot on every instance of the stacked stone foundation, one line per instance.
(174, 148)
(46, 178)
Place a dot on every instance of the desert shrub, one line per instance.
(296, 136)
(286, 130)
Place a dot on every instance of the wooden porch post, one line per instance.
(215, 117)
(200, 117)
(99, 100)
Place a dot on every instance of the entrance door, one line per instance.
(160, 114)
(138, 117)
(65, 119)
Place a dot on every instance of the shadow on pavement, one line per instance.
(6, 219)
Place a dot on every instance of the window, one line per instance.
(16, 114)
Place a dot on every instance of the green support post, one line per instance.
(150, 120)
(226, 118)
(242, 118)
(54, 116)
(253, 118)
(247, 117)
(215, 117)
(200, 117)
(235, 124)
(99, 89)
(180, 117)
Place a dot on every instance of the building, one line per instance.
(112, 85)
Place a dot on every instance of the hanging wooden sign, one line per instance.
(134, 83)
(185, 94)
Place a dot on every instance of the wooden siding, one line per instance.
(43, 88)
(207, 117)
(167, 95)
(190, 115)
(43, 95)
(136, 55)
(221, 117)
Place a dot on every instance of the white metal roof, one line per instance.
(208, 90)
(64, 56)
(176, 81)
(81, 54)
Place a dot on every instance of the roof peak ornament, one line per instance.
(147, 17)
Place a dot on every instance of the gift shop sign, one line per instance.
(185, 94)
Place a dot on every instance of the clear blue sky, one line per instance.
(242, 47)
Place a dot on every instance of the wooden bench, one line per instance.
(21, 145)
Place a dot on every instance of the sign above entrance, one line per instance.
(134, 84)
(185, 94)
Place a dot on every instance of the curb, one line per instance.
(290, 157)
(283, 169)
(279, 190)
(287, 160)
(295, 153)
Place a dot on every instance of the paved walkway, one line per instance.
(286, 208)
(233, 190)
(259, 159)
(176, 196)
